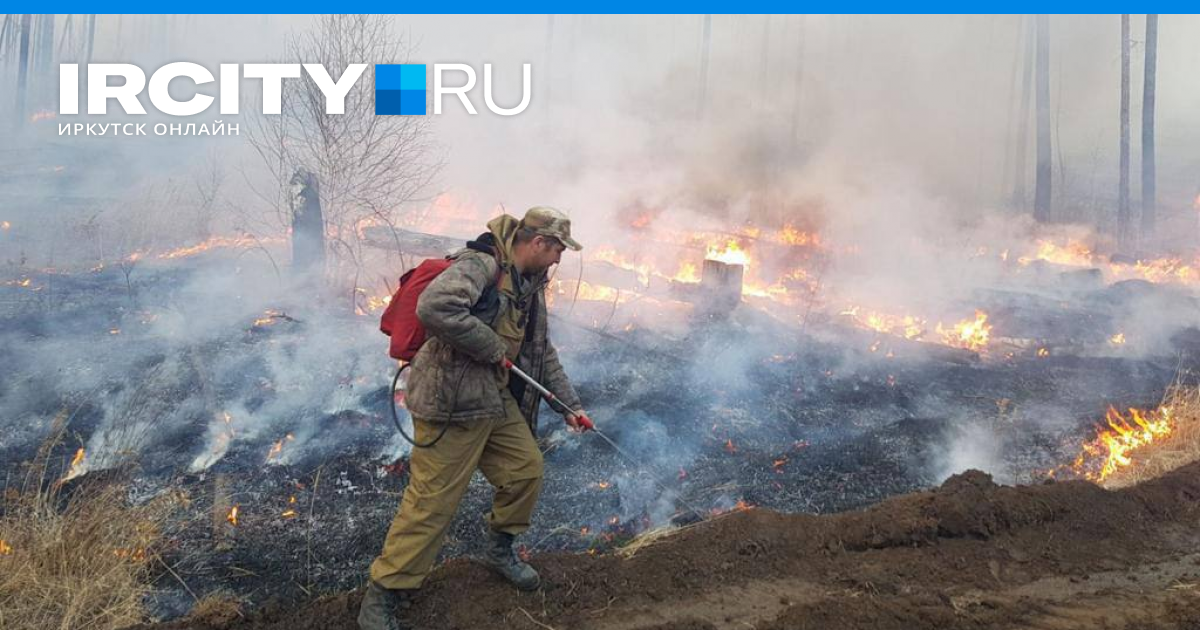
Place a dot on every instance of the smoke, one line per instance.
(893, 139)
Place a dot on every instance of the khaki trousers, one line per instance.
(503, 449)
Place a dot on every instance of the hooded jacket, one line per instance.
(476, 312)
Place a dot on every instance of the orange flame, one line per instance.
(289, 513)
(232, 517)
(5, 548)
(77, 467)
(731, 254)
(1113, 447)
(277, 448)
(969, 334)
(1117, 339)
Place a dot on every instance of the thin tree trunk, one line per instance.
(1021, 170)
(547, 79)
(1149, 209)
(705, 43)
(91, 38)
(765, 93)
(1042, 191)
(46, 50)
(797, 83)
(1006, 180)
(308, 224)
(23, 66)
(1123, 188)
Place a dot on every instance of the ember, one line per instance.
(232, 517)
(5, 548)
(1117, 339)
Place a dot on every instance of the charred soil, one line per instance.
(968, 554)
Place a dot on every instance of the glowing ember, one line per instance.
(289, 513)
(969, 334)
(1043, 352)
(1114, 445)
(740, 506)
(232, 517)
(730, 447)
(269, 317)
(1117, 339)
(603, 485)
(114, 331)
(5, 548)
(731, 254)
(137, 555)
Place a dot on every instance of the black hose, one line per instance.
(396, 416)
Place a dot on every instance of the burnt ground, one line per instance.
(968, 554)
(803, 421)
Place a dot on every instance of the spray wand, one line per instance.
(585, 425)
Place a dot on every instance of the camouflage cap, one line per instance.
(550, 222)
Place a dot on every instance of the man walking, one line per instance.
(486, 308)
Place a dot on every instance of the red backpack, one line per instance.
(400, 320)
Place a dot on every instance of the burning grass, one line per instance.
(81, 559)
(1138, 445)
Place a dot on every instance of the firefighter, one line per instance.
(488, 306)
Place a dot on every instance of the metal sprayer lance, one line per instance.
(585, 425)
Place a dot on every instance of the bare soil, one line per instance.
(969, 554)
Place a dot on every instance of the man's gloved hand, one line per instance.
(580, 421)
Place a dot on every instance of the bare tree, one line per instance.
(1041, 195)
(23, 67)
(1123, 187)
(1020, 195)
(705, 45)
(1149, 200)
(368, 166)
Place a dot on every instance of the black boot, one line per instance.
(379, 608)
(501, 558)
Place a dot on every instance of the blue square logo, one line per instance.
(400, 89)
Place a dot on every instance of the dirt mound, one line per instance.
(969, 554)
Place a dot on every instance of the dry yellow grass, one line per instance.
(74, 562)
(1179, 448)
